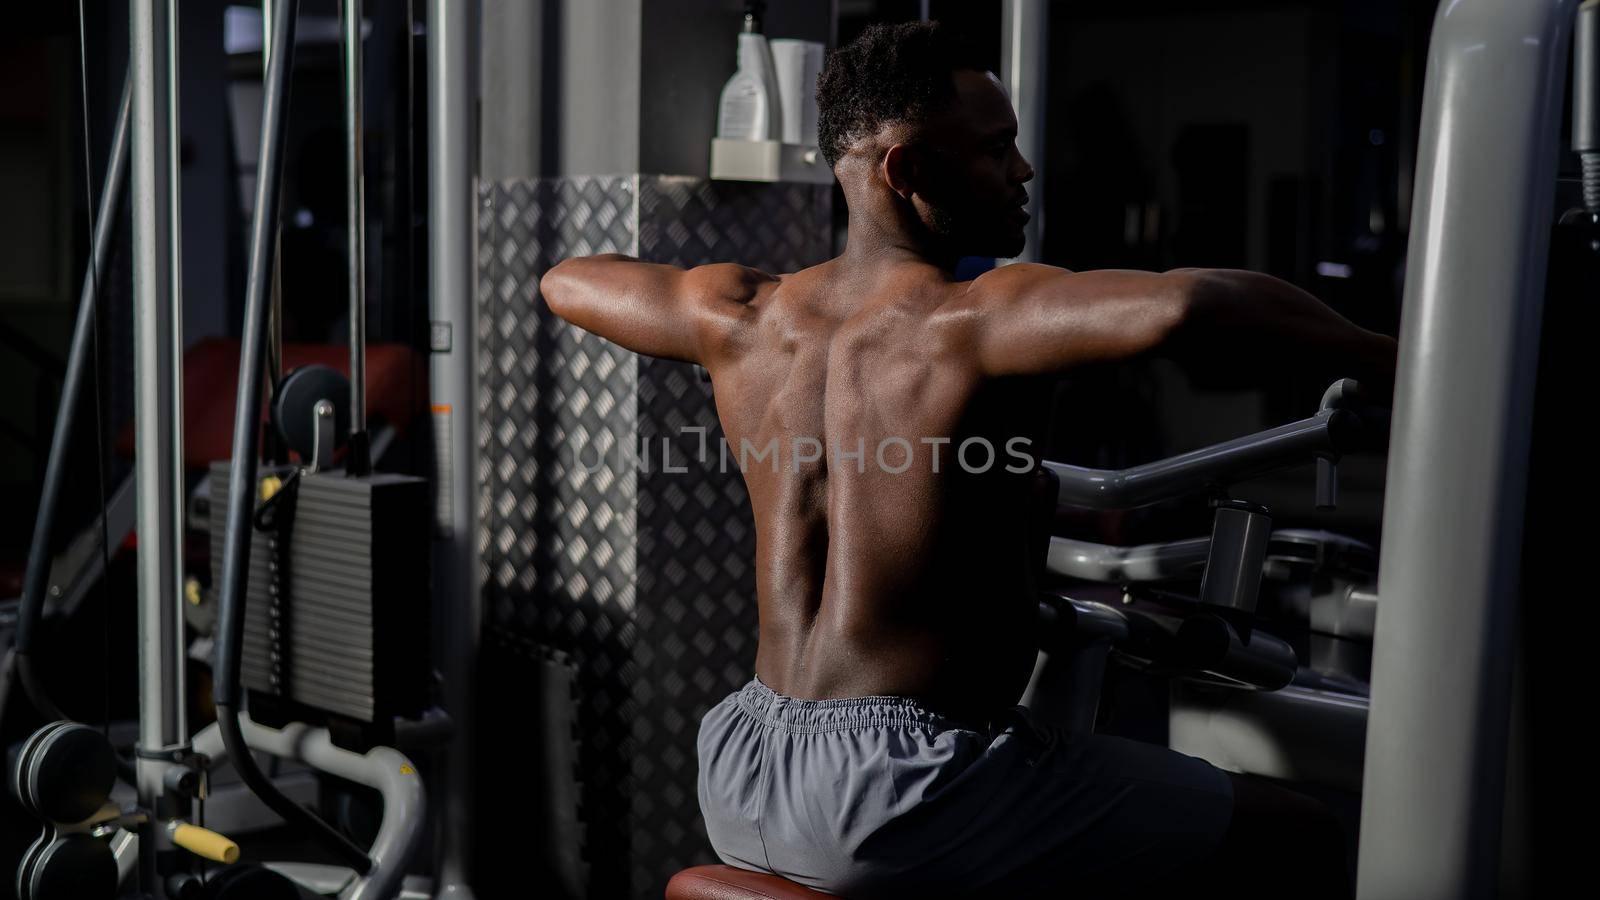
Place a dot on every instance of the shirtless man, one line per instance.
(879, 751)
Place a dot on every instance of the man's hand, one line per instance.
(1035, 319)
(653, 309)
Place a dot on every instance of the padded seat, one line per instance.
(211, 385)
(729, 883)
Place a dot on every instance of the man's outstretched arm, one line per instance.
(1041, 319)
(658, 310)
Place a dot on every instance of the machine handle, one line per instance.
(204, 842)
(1232, 578)
(1342, 424)
(1327, 483)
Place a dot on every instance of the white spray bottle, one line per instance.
(749, 107)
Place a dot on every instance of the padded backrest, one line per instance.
(397, 382)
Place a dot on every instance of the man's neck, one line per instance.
(882, 232)
(867, 248)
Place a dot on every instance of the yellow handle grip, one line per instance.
(205, 843)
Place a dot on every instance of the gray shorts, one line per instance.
(878, 796)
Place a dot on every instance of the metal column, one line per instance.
(452, 151)
(275, 290)
(356, 231)
(1436, 739)
(1024, 40)
(158, 413)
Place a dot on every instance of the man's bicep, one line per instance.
(1041, 319)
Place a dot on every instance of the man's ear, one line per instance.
(901, 169)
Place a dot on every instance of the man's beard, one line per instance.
(945, 225)
(941, 222)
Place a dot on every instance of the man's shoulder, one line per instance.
(732, 281)
(1010, 278)
(970, 301)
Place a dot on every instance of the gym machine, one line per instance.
(324, 627)
(1442, 719)
(1247, 610)
(1440, 671)
(1433, 818)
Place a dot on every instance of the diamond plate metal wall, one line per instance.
(592, 547)
(556, 542)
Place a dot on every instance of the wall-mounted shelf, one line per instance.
(767, 161)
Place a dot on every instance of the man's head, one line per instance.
(911, 108)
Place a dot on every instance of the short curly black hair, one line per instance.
(891, 73)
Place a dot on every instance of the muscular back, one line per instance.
(876, 577)
(887, 562)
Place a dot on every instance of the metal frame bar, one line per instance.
(384, 769)
(1025, 65)
(275, 296)
(247, 414)
(1206, 468)
(1469, 343)
(356, 217)
(158, 412)
(79, 566)
(452, 156)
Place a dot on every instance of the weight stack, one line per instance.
(345, 633)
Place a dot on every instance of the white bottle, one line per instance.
(749, 108)
(798, 64)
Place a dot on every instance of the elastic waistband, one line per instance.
(814, 716)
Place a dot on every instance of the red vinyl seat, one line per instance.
(397, 380)
(729, 883)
